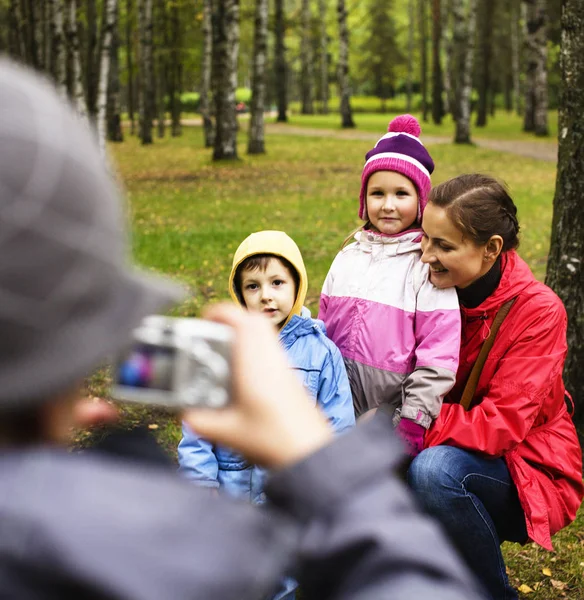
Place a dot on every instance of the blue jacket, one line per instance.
(320, 366)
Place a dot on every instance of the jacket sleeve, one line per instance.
(437, 346)
(334, 392)
(324, 296)
(196, 459)
(514, 396)
(364, 537)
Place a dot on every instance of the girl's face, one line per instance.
(454, 260)
(392, 202)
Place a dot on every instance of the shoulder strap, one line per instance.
(471, 384)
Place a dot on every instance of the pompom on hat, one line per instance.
(400, 150)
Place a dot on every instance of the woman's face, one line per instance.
(454, 260)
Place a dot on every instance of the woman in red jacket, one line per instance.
(509, 467)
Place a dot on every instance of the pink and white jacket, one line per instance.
(399, 335)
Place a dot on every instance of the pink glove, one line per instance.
(413, 436)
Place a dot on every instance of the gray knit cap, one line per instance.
(68, 297)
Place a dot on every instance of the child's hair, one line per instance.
(259, 262)
(480, 206)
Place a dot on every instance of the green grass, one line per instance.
(504, 126)
(188, 216)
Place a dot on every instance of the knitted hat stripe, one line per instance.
(399, 156)
(394, 134)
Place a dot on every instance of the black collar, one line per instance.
(476, 293)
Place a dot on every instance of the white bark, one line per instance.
(206, 73)
(224, 76)
(104, 65)
(78, 91)
(60, 73)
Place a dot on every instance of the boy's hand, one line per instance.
(270, 419)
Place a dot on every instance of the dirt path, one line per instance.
(546, 151)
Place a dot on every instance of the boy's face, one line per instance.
(271, 292)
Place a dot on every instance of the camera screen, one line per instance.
(146, 366)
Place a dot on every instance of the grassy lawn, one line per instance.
(188, 216)
(504, 126)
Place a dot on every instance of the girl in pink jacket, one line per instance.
(399, 335)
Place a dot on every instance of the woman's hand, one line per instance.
(270, 418)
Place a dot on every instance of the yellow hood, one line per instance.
(279, 244)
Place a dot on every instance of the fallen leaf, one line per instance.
(546, 571)
(525, 589)
(559, 585)
(153, 426)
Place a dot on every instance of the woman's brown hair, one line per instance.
(480, 206)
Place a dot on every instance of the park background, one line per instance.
(224, 117)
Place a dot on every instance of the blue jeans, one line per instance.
(477, 503)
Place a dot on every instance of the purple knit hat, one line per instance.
(400, 150)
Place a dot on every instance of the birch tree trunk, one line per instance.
(437, 108)
(541, 87)
(73, 41)
(515, 54)
(423, 27)
(206, 74)
(17, 37)
(176, 72)
(448, 49)
(410, 76)
(306, 59)
(91, 64)
(258, 80)
(565, 269)
(280, 62)
(535, 117)
(145, 70)
(162, 44)
(130, 65)
(113, 107)
(35, 8)
(323, 58)
(47, 42)
(463, 40)
(110, 14)
(487, 9)
(59, 56)
(224, 76)
(343, 67)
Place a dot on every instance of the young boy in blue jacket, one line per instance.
(268, 276)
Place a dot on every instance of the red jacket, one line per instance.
(519, 410)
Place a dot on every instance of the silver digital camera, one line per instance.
(177, 363)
